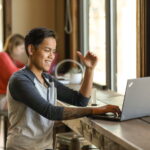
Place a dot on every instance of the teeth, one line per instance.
(48, 62)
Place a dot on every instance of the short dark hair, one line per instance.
(36, 37)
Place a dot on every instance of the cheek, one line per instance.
(53, 56)
(18, 50)
(38, 59)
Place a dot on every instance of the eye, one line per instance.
(50, 50)
(47, 50)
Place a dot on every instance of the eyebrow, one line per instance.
(50, 48)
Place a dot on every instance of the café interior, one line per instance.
(117, 33)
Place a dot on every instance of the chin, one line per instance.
(46, 69)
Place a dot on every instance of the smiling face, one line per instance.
(42, 56)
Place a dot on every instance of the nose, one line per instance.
(51, 55)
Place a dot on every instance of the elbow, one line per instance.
(84, 103)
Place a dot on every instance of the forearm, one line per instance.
(87, 84)
(73, 113)
(77, 112)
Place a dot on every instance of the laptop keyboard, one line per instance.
(107, 116)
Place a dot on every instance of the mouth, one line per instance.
(48, 62)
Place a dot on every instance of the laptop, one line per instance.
(135, 103)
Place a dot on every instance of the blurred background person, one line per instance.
(9, 63)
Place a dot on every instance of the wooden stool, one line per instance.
(69, 141)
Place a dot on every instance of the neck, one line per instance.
(35, 70)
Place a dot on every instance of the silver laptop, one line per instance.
(136, 101)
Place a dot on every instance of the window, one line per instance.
(112, 37)
(126, 42)
(97, 39)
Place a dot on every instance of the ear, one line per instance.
(30, 50)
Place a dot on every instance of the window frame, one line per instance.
(84, 39)
(111, 39)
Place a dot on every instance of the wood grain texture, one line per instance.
(109, 135)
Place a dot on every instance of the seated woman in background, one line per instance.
(13, 49)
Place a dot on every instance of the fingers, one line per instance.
(80, 55)
(107, 108)
(88, 53)
(118, 110)
(115, 109)
(91, 54)
(111, 108)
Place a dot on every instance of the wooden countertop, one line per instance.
(127, 135)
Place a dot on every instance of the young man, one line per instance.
(32, 95)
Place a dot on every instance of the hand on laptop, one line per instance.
(105, 109)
